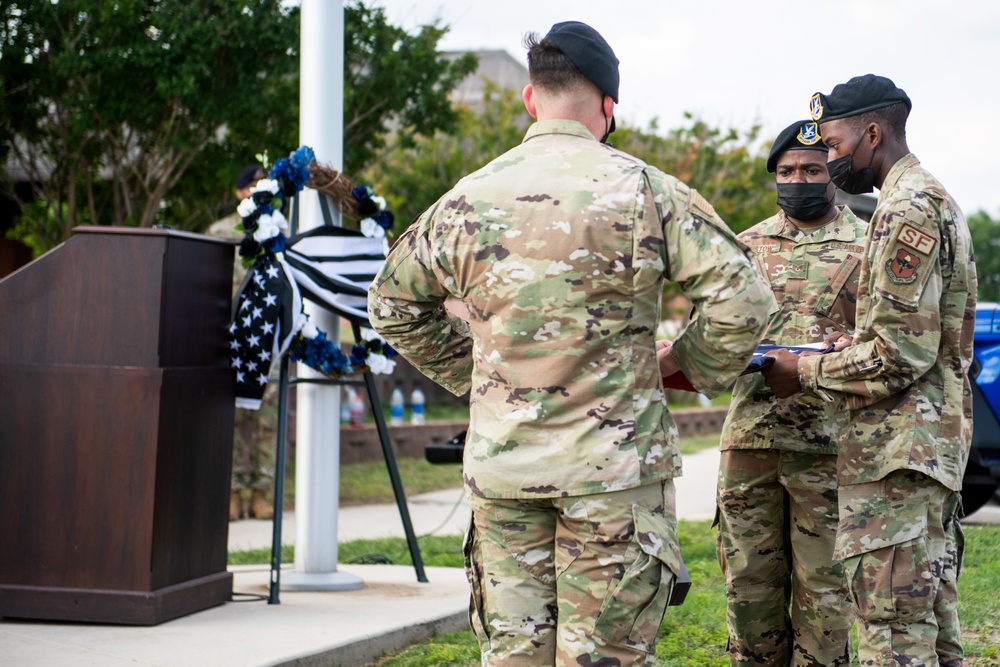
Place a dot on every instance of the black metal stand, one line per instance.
(279, 483)
(383, 434)
(390, 462)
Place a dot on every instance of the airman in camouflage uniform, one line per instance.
(777, 493)
(559, 248)
(905, 381)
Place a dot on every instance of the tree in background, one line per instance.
(986, 244)
(394, 79)
(412, 173)
(120, 98)
(724, 165)
(132, 113)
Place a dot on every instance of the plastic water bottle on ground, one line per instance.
(417, 406)
(345, 407)
(396, 407)
(357, 410)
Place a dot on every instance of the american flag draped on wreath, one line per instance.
(262, 327)
(268, 320)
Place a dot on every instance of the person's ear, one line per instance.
(528, 95)
(874, 135)
(609, 107)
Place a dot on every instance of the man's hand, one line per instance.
(782, 377)
(839, 340)
(668, 365)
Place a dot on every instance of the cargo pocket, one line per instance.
(892, 584)
(632, 611)
(834, 290)
(474, 573)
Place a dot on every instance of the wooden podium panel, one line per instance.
(116, 446)
(114, 296)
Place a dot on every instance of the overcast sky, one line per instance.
(734, 62)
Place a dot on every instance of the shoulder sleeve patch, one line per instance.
(906, 264)
(916, 240)
(701, 204)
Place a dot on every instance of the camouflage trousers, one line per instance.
(786, 598)
(253, 445)
(575, 581)
(901, 542)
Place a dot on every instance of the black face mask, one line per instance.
(608, 129)
(804, 201)
(852, 182)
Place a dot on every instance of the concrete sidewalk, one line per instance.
(314, 628)
(447, 513)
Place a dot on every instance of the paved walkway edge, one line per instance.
(362, 652)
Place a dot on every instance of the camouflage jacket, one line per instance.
(905, 378)
(814, 275)
(559, 249)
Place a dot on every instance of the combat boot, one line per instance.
(235, 506)
(260, 508)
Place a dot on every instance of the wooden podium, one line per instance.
(116, 428)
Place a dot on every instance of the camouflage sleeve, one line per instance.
(406, 306)
(899, 340)
(731, 299)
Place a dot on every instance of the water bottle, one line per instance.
(396, 407)
(357, 410)
(345, 407)
(417, 406)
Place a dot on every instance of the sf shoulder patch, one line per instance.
(916, 240)
(908, 261)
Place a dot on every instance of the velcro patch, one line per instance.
(700, 203)
(902, 269)
(916, 240)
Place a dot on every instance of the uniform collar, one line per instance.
(570, 127)
(902, 164)
(835, 230)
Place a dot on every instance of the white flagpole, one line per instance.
(317, 422)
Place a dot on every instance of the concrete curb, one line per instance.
(363, 652)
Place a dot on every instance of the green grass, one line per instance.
(694, 634)
(368, 483)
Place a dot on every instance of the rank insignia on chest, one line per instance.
(902, 269)
(798, 270)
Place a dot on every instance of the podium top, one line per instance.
(155, 231)
(121, 296)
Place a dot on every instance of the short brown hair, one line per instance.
(549, 68)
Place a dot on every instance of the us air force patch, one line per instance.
(808, 134)
(816, 106)
(902, 269)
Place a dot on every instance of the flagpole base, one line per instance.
(320, 581)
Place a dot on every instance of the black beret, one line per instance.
(586, 49)
(802, 135)
(249, 175)
(860, 94)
